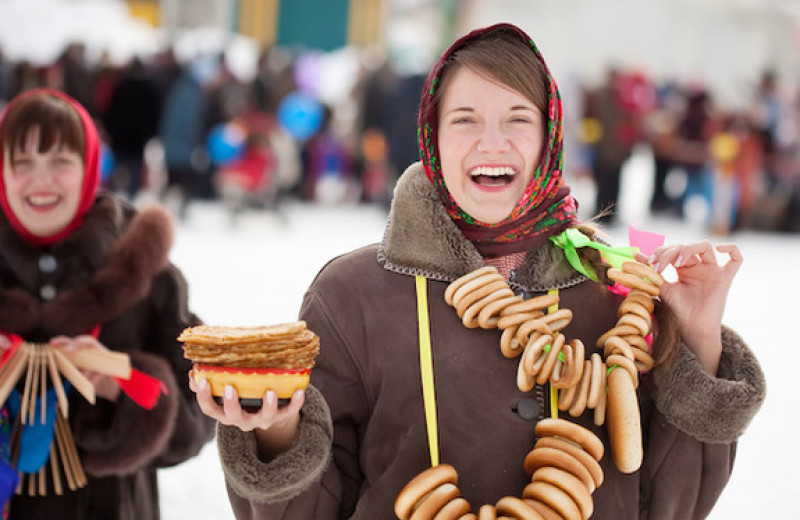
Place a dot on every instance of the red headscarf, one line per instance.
(546, 208)
(91, 177)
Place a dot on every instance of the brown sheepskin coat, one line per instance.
(113, 271)
(362, 433)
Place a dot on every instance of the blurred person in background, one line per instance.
(131, 121)
(488, 194)
(6, 79)
(696, 127)
(183, 128)
(82, 269)
(618, 105)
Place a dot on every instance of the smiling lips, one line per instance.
(43, 201)
(492, 176)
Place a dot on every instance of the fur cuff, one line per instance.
(291, 472)
(712, 409)
(135, 436)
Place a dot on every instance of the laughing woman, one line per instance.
(81, 269)
(489, 191)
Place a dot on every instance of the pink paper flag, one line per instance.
(646, 241)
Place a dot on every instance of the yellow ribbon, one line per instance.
(426, 368)
(553, 391)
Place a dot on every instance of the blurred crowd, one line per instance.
(729, 168)
(193, 129)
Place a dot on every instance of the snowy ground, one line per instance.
(257, 272)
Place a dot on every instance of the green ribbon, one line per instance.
(572, 239)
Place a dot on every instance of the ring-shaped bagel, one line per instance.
(421, 485)
(643, 271)
(546, 371)
(617, 345)
(534, 352)
(509, 346)
(454, 286)
(516, 508)
(572, 432)
(644, 362)
(529, 327)
(591, 464)
(537, 303)
(545, 456)
(570, 484)
(637, 321)
(596, 364)
(637, 342)
(629, 306)
(554, 497)
(489, 315)
(469, 299)
(582, 396)
(565, 373)
(469, 319)
(525, 381)
(434, 501)
(620, 330)
(642, 298)
(558, 320)
(456, 508)
(632, 281)
(487, 512)
(508, 321)
(547, 512)
(566, 396)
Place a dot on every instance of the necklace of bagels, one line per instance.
(564, 463)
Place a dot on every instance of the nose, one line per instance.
(493, 139)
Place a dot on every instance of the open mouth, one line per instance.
(489, 176)
(43, 201)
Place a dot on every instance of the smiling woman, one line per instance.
(81, 269)
(482, 225)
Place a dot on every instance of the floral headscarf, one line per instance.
(545, 208)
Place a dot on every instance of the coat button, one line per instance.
(47, 292)
(48, 263)
(528, 408)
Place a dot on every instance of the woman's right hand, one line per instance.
(274, 426)
(5, 344)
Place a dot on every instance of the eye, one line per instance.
(20, 162)
(462, 120)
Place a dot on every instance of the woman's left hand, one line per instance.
(104, 386)
(697, 298)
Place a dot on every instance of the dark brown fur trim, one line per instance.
(133, 262)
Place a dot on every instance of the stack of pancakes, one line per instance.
(252, 359)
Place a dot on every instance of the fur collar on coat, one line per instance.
(421, 239)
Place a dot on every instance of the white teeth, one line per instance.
(492, 172)
(42, 200)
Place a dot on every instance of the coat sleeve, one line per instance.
(695, 421)
(712, 409)
(320, 476)
(123, 437)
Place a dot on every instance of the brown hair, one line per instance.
(502, 56)
(58, 123)
(665, 330)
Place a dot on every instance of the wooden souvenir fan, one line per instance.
(43, 366)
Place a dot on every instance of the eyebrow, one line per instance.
(513, 108)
